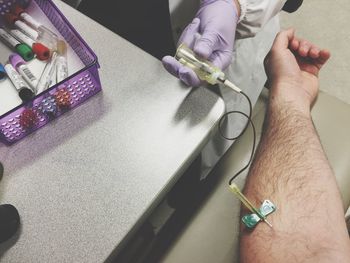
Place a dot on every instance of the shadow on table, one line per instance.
(196, 106)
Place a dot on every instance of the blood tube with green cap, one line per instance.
(22, 49)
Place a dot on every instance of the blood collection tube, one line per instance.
(2, 72)
(24, 92)
(41, 51)
(15, 21)
(20, 65)
(62, 67)
(45, 35)
(22, 49)
(45, 80)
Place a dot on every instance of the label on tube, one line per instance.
(62, 69)
(23, 49)
(22, 37)
(19, 64)
(27, 74)
(30, 20)
(33, 34)
(24, 92)
(10, 40)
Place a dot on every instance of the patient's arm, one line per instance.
(291, 169)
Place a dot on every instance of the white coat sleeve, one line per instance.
(255, 14)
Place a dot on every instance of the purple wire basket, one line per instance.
(60, 98)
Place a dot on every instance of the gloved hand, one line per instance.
(215, 23)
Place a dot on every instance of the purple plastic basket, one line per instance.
(60, 98)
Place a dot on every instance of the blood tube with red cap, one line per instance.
(40, 50)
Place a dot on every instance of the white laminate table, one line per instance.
(85, 182)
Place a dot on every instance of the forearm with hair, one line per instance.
(291, 170)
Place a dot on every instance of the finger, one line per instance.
(188, 36)
(188, 76)
(304, 48)
(172, 65)
(283, 39)
(221, 59)
(294, 44)
(323, 57)
(185, 74)
(314, 52)
(206, 44)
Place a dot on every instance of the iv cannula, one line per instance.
(234, 188)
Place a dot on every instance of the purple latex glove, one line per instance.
(215, 24)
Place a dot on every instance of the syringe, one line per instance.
(204, 69)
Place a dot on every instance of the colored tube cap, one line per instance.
(18, 10)
(2, 72)
(26, 94)
(23, 3)
(41, 51)
(10, 18)
(16, 60)
(25, 52)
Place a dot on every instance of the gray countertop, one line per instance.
(84, 182)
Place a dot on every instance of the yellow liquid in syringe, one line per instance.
(203, 68)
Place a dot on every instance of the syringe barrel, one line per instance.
(204, 69)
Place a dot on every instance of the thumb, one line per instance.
(189, 34)
(206, 45)
(283, 39)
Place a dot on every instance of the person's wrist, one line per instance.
(289, 95)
